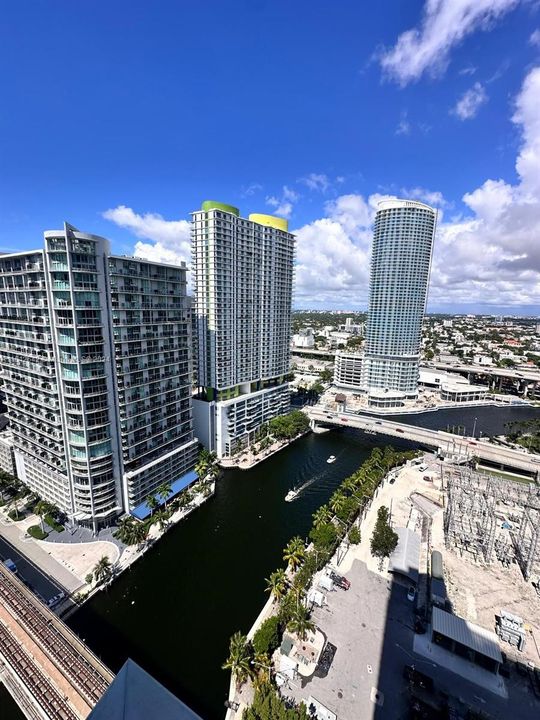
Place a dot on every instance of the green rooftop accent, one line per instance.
(215, 205)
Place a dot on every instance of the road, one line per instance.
(29, 572)
(465, 447)
(510, 373)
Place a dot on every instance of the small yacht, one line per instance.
(331, 459)
(291, 495)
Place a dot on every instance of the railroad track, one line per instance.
(33, 679)
(80, 672)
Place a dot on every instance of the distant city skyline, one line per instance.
(418, 100)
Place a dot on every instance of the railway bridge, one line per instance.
(47, 669)
(454, 447)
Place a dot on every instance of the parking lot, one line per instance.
(371, 627)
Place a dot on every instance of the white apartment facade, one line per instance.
(95, 352)
(242, 284)
(348, 370)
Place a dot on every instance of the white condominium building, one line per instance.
(348, 370)
(400, 266)
(242, 284)
(96, 360)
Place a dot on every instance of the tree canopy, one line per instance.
(384, 540)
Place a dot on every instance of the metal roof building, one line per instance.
(405, 559)
(135, 695)
(461, 637)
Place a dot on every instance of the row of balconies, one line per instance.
(166, 333)
(27, 351)
(31, 423)
(147, 305)
(143, 271)
(29, 381)
(29, 432)
(137, 290)
(36, 412)
(34, 320)
(34, 397)
(21, 267)
(147, 447)
(151, 349)
(42, 455)
(25, 335)
(142, 409)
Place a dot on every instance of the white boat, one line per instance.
(331, 459)
(291, 495)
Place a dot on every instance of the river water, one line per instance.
(175, 610)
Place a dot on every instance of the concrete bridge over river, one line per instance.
(455, 447)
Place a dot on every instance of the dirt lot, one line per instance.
(478, 592)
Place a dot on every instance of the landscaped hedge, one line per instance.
(266, 639)
(52, 523)
(36, 532)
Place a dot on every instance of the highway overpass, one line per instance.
(454, 446)
(529, 375)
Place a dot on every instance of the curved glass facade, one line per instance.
(401, 260)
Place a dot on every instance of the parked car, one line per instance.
(340, 581)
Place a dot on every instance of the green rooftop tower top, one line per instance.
(215, 205)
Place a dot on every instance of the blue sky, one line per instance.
(309, 109)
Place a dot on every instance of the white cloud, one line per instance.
(469, 70)
(470, 102)
(404, 126)
(251, 189)
(431, 197)
(535, 38)
(169, 239)
(283, 205)
(444, 24)
(490, 256)
(316, 181)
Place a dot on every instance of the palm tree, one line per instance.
(161, 518)
(337, 502)
(163, 491)
(321, 516)
(276, 584)
(294, 552)
(152, 503)
(300, 624)
(126, 530)
(239, 657)
(349, 485)
(41, 508)
(140, 533)
(103, 569)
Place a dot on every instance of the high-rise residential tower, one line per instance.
(242, 284)
(400, 266)
(95, 352)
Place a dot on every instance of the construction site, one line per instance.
(491, 552)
